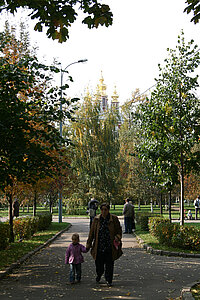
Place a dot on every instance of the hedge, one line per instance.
(25, 227)
(142, 218)
(4, 235)
(45, 220)
(154, 222)
(175, 235)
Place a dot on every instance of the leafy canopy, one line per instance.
(193, 5)
(58, 15)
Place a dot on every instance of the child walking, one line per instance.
(74, 258)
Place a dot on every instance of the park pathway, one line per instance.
(137, 274)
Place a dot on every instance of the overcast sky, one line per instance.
(128, 52)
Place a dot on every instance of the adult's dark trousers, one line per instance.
(105, 262)
(128, 224)
(91, 220)
(197, 209)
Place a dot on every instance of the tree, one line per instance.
(169, 120)
(58, 16)
(193, 5)
(30, 144)
(96, 148)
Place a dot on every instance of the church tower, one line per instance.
(115, 100)
(102, 94)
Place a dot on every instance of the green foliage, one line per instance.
(168, 122)
(96, 149)
(154, 222)
(22, 228)
(29, 108)
(45, 220)
(193, 6)
(58, 16)
(25, 227)
(142, 219)
(4, 235)
(174, 235)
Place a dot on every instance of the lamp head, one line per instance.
(82, 60)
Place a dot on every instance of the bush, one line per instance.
(22, 228)
(45, 220)
(174, 235)
(34, 221)
(142, 218)
(165, 232)
(4, 235)
(153, 224)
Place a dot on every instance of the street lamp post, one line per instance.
(61, 95)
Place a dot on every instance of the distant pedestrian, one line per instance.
(92, 208)
(197, 207)
(16, 208)
(105, 240)
(74, 258)
(128, 212)
(133, 217)
(189, 215)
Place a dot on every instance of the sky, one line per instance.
(127, 53)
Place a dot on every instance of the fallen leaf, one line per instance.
(170, 280)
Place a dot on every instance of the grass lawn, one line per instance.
(117, 210)
(18, 249)
(153, 242)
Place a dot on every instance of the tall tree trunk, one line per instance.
(50, 204)
(182, 191)
(11, 217)
(139, 207)
(170, 202)
(34, 203)
(161, 207)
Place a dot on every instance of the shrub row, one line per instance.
(27, 226)
(142, 218)
(4, 235)
(174, 235)
(24, 228)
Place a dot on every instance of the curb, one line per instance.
(150, 250)
(185, 291)
(29, 254)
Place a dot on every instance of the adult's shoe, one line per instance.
(109, 284)
(98, 278)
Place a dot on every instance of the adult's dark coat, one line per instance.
(115, 229)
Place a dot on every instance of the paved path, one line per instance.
(137, 275)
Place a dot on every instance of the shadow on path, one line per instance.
(137, 275)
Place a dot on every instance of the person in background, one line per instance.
(74, 258)
(104, 239)
(128, 216)
(189, 215)
(92, 208)
(197, 207)
(133, 218)
(16, 208)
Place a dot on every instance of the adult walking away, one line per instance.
(197, 206)
(92, 208)
(15, 208)
(105, 240)
(133, 217)
(128, 212)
